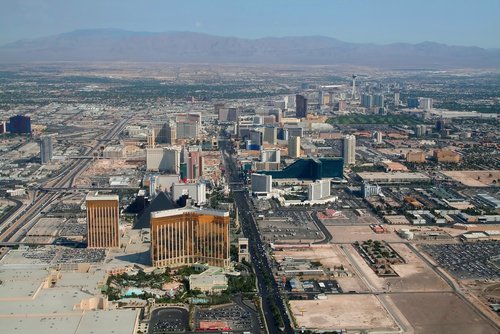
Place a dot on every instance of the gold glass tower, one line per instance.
(185, 236)
(102, 221)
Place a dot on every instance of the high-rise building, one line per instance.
(256, 137)
(102, 221)
(270, 135)
(342, 105)
(270, 155)
(441, 124)
(227, 114)
(378, 100)
(151, 139)
(300, 106)
(349, 149)
(321, 94)
(262, 183)
(20, 124)
(396, 99)
(413, 102)
(187, 129)
(318, 190)
(195, 191)
(277, 114)
(295, 131)
(425, 103)
(45, 149)
(163, 159)
(379, 137)
(294, 147)
(185, 236)
(366, 100)
(166, 133)
(420, 130)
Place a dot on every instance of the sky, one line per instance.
(454, 22)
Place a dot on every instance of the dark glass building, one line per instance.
(20, 124)
(310, 169)
(300, 106)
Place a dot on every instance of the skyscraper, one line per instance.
(396, 99)
(378, 100)
(151, 139)
(189, 235)
(349, 149)
(300, 106)
(163, 159)
(20, 124)
(413, 102)
(425, 103)
(45, 149)
(102, 221)
(294, 147)
(367, 100)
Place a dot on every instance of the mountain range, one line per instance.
(190, 47)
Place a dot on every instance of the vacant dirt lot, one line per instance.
(350, 234)
(342, 311)
(414, 275)
(440, 313)
(329, 256)
(474, 178)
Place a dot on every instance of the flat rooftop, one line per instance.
(28, 306)
(392, 176)
(180, 211)
(95, 196)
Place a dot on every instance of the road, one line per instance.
(268, 288)
(18, 228)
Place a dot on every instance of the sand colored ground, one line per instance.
(440, 313)
(414, 275)
(371, 279)
(342, 311)
(470, 177)
(329, 256)
(349, 234)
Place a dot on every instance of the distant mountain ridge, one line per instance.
(190, 47)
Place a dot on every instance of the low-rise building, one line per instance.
(213, 280)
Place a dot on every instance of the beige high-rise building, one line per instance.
(349, 150)
(151, 139)
(294, 147)
(102, 221)
(181, 237)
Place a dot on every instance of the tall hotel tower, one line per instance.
(102, 221)
(189, 235)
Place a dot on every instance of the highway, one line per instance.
(268, 288)
(17, 229)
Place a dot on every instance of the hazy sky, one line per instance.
(458, 22)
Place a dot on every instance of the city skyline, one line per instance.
(452, 23)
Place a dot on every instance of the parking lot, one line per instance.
(62, 255)
(289, 225)
(236, 317)
(168, 320)
(467, 261)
